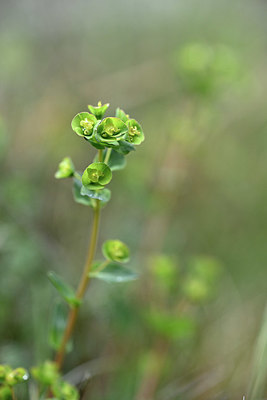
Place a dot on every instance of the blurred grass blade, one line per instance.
(259, 368)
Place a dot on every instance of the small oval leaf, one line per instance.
(78, 197)
(63, 289)
(114, 273)
(103, 194)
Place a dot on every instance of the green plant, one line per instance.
(114, 138)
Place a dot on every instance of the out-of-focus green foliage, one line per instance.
(194, 74)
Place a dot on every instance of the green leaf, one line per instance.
(103, 195)
(63, 289)
(114, 273)
(115, 250)
(78, 197)
(116, 161)
(58, 325)
(124, 147)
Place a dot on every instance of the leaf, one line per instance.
(58, 324)
(78, 197)
(116, 161)
(124, 147)
(103, 194)
(63, 289)
(114, 273)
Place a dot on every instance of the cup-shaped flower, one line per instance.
(99, 110)
(83, 124)
(115, 250)
(96, 176)
(65, 169)
(135, 132)
(110, 131)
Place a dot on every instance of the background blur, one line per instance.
(194, 74)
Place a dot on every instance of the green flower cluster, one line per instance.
(120, 132)
(9, 378)
(48, 376)
(114, 137)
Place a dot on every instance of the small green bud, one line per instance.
(96, 175)
(115, 250)
(46, 373)
(65, 169)
(83, 124)
(135, 133)
(65, 391)
(99, 110)
(122, 115)
(18, 375)
(110, 131)
(5, 393)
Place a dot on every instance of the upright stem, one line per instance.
(83, 284)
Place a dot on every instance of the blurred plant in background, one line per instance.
(195, 76)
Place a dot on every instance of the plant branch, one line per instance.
(83, 284)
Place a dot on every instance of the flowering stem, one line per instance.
(108, 153)
(83, 284)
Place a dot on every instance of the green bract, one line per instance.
(96, 175)
(110, 131)
(99, 110)
(115, 250)
(135, 133)
(65, 169)
(83, 124)
(112, 273)
(122, 115)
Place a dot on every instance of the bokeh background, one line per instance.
(194, 74)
